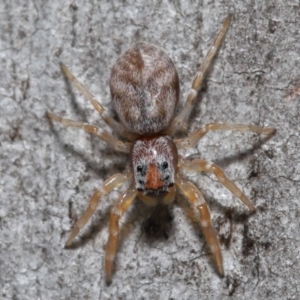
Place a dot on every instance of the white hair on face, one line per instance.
(156, 151)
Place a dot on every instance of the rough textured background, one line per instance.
(49, 172)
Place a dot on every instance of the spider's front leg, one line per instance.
(198, 165)
(111, 183)
(118, 210)
(201, 210)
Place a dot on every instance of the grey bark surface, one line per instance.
(49, 172)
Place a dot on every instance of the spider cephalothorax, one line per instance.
(145, 90)
(154, 160)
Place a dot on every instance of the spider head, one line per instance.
(154, 161)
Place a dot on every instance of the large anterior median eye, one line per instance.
(139, 168)
(165, 165)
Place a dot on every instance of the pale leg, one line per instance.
(204, 166)
(102, 134)
(109, 184)
(202, 213)
(118, 127)
(180, 120)
(194, 137)
(118, 210)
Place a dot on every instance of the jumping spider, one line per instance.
(144, 87)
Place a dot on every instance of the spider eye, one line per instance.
(165, 164)
(139, 168)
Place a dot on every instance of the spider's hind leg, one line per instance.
(182, 117)
(117, 126)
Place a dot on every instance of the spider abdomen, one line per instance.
(144, 86)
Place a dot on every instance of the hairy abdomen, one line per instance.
(144, 87)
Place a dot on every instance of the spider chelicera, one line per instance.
(144, 87)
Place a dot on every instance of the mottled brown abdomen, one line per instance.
(144, 87)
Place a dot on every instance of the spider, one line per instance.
(144, 88)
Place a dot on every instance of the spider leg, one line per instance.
(102, 134)
(118, 127)
(194, 137)
(180, 120)
(204, 166)
(111, 183)
(202, 213)
(118, 210)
